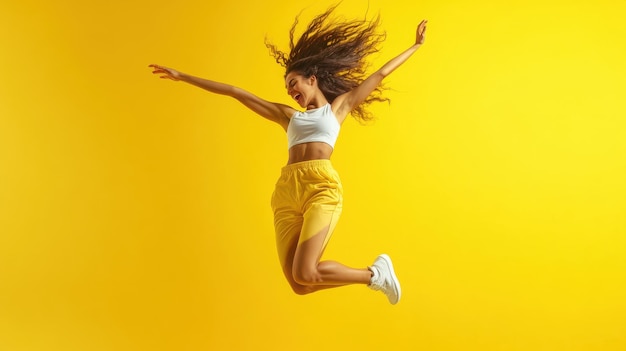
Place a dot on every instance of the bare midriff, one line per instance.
(309, 151)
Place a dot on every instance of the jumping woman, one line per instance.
(325, 73)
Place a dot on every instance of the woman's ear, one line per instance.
(312, 80)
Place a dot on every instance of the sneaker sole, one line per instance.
(396, 283)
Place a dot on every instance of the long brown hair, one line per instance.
(334, 51)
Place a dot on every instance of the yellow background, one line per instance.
(134, 212)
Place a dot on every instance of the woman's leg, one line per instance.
(317, 227)
(288, 225)
(302, 237)
(309, 271)
(313, 274)
(306, 274)
(287, 266)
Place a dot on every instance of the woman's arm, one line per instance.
(348, 101)
(275, 112)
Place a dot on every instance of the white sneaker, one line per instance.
(384, 278)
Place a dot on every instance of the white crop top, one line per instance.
(319, 125)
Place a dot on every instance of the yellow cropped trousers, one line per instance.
(307, 199)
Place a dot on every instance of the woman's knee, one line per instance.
(306, 276)
(297, 287)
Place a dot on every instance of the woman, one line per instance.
(325, 75)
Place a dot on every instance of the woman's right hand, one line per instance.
(165, 72)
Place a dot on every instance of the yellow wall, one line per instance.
(134, 212)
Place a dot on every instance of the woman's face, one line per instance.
(300, 88)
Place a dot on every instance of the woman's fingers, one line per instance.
(421, 29)
(160, 69)
(164, 72)
(422, 26)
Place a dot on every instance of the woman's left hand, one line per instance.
(421, 31)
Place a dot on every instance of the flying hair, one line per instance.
(335, 51)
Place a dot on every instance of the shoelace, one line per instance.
(380, 284)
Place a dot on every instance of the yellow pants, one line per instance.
(308, 198)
